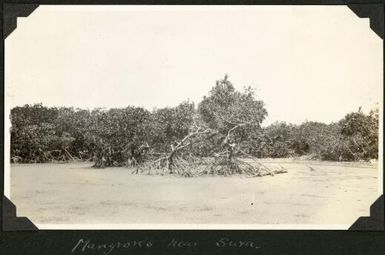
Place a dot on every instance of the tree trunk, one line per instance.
(170, 161)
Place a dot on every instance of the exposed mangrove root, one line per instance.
(219, 165)
(224, 163)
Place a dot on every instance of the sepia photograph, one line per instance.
(193, 117)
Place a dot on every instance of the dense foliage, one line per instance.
(353, 138)
(128, 135)
(234, 115)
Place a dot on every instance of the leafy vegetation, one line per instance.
(225, 126)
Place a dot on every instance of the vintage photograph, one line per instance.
(193, 117)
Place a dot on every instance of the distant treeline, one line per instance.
(44, 134)
(226, 121)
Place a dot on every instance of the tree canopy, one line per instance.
(225, 120)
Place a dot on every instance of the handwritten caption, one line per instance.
(85, 245)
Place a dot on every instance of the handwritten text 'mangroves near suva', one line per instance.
(106, 248)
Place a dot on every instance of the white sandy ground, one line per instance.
(75, 193)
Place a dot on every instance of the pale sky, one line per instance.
(306, 62)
